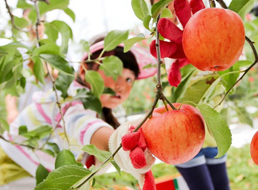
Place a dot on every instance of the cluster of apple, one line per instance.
(212, 39)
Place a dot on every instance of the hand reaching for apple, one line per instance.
(134, 158)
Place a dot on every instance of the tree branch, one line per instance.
(14, 143)
(12, 17)
(245, 71)
(158, 86)
(49, 73)
(222, 4)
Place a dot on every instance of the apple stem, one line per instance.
(165, 103)
(212, 3)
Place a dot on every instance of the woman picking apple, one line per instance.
(83, 126)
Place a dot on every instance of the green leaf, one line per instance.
(70, 13)
(140, 9)
(58, 63)
(3, 52)
(53, 4)
(22, 130)
(54, 147)
(20, 22)
(38, 69)
(229, 77)
(200, 91)
(85, 45)
(33, 141)
(112, 66)
(146, 22)
(243, 63)
(52, 49)
(99, 154)
(24, 5)
(11, 68)
(7, 72)
(128, 44)
(114, 38)
(64, 158)
(66, 33)
(16, 45)
(243, 116)
(39, 132)
(89, 100)
(158, 7)
(41, 174)
(22, 82)
(64, 178)
(116, 166)
(33, 16)
(63, 82)
(187, 72)
(109, 91)
(48, 151)
(51, 31)
(3, 126)
(242, 7)
(218, 128)
(96, 82)
(166, 13)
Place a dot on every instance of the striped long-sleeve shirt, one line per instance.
(80, 125)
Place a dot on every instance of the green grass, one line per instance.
(242, 172)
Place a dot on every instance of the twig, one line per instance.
(49, 73)
(12, 17)
(38, 22)
(222, 4)
(14, 143)
(245, 72)
(158, 86)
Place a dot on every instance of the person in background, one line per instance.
(83, 126)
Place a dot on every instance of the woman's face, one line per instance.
(122, 87)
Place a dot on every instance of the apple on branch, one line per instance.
(174, 136)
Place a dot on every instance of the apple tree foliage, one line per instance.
(204, 90)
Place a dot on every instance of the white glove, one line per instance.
(134, 158)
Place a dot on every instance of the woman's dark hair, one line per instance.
(129, 62)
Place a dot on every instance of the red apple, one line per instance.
(254, 148)
(213, 39)
(174, 136)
